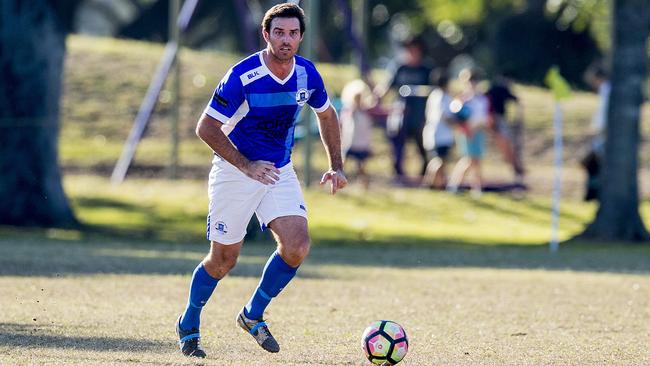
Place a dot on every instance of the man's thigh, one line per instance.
(290, 230)
(283, 199)
(233, 199)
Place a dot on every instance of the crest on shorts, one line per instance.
(302, 96)
(221, 227)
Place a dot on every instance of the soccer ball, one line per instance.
(384, 342)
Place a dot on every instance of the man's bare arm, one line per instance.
(208, 129)
(330, 132)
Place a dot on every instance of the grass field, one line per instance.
(471, 287)
(471, 280)
(95, 302)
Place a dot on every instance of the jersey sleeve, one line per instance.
(227, 98)
(318, 99)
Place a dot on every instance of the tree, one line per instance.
(212, 21)
(618, 213)
(520, 38)
(32, 49)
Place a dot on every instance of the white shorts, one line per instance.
(234, 197)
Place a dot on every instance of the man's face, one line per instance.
(284, 37)
(415, 54)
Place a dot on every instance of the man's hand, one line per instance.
(262, 171)
(336, 178)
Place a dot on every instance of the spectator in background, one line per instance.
(592, 162)
(356, 126)
(438, 133)
(471, 139)
(411, 81)
(505, 134)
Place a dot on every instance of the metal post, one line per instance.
(360, 27)
(149, 101)
(309, 50)
(557, 182)
(174, 36)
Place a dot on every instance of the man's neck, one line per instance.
(279, 68)
(414, 63)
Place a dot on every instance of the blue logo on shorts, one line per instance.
(302, 207)
(221, 227)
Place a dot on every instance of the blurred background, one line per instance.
(88, 81)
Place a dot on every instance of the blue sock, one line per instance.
(201, 288)
(277, 274)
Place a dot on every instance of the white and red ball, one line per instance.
(384, 342)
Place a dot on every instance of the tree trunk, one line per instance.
(32, 48)
(247, 26)
(618, 214)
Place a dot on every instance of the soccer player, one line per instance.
(249, 124)
(412, 82)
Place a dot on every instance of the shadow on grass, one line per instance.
(24, 254)
(151, 225)
(38, 336)
(34, 255)
(535, 213)
(450, 254)
(409, 252)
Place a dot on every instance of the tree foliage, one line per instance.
(467, 12)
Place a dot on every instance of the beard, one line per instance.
(283, 52)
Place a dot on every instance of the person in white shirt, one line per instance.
(356, 126)
(438, 133)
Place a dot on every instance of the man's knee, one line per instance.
(295, 251)
(219, 262)
(219, 267)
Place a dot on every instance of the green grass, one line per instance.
(175, 210)
(472, 281)
(106, 80)
(71, 300)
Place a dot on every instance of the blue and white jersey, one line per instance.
(259, 111)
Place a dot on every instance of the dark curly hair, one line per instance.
(286, 10)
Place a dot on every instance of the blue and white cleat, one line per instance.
(189, 341)
(260, 331)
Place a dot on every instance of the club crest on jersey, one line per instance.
(302, 96)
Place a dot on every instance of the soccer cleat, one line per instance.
(189, 341)
(260, 331)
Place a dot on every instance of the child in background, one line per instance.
(438, 133)
(471, 140)
(356, 126)
(507, 135)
